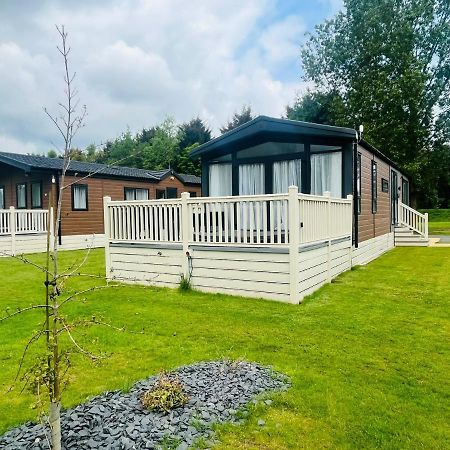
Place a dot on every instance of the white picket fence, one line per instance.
(274, 220)
(23, 230)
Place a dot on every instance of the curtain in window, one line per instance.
(79, 197)
(129, 194)
(141, 194)
(2, 198)
(21, 196)
(220, 180)
(285, 174)
(326, 173)
(36, 195)
(251, 179)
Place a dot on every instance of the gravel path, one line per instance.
(115, 420)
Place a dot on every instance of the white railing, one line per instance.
(255, 219)
(23, 221)
(413, 219)
(274, 220)
(154, 220)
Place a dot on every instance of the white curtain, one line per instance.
(326, 173)
(141, 194)
(220, 180)
(285, 174)
(79, 197)
(36, 195)
(129, 194)
(251, 179)
(21, 195)
(2, 198)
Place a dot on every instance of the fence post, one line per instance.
(350, 197)
(12, 229)
(185, 220)
(426, 226)
(107, 226)
(51, 222)
(294, 242)
(328, 215)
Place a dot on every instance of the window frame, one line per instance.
(134, 189)
(405, 183)
(17, 196)
(3, 196)
(159, 192)
(172, 189)
(40, 194)
(374, 172)
(358, 183)
(86, 188)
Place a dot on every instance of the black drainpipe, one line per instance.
(355, 193)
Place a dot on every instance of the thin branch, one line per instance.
(78, 346)
(31, 341)
(20, 311)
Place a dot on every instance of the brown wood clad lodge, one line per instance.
(26, 181)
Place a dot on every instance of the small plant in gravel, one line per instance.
(167, 393)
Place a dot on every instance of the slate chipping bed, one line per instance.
(117, 420)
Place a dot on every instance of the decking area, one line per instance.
(277, 246)
(23, 231)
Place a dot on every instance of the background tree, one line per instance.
(239, 118)
(317, 107)
(388, 62)
(191, 134)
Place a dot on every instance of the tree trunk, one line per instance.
(55, 425)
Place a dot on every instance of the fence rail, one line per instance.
(413, 219)
(275, 219)
(23, 221)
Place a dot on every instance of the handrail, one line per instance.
(413, 219)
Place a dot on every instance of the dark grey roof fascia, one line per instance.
(274, 125)
(33, 162)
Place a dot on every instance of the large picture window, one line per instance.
(136, 194)
(2, 197)
(285, 174)
(251, 179)
(220, 180)
(21, 196)
(80, 197)
(326, 173)
(374, 187)
(36, 194)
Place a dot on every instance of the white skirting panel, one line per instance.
(150, 265)
(234, 271)
(259, 272)
(23, 243)
(372, 248)
(82, 241)
(320, 263)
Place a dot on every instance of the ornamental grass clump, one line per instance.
(167, 394)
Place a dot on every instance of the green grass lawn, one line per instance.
(437, 215)
(439, 228)
(368, 355)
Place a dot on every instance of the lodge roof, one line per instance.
(33, 162)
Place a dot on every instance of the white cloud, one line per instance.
(138, 61)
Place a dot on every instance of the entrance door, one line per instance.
(394, 198)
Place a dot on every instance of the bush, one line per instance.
(168, 393)
(185, 284)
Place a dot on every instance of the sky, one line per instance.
(140, 61)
